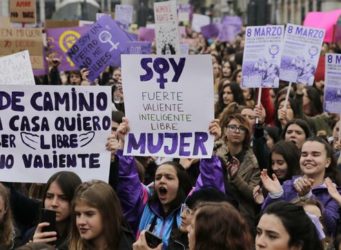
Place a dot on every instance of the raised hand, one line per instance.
(258, 196)
(271, 184)
(233, 166)
(303, 185)
(332, 190)
(215, 129)
(122, 129)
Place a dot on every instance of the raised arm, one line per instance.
(132, 193)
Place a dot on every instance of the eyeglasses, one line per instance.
(185, 209)
(234, 128)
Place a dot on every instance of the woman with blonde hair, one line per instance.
(97, 221)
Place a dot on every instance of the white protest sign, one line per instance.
(166, 28)
(332, 89)
(199, 21)
(262, 55)
(16, 69)
(301, 52)
(46, 129)
(169, 103)
(124, 13)
(184, 11)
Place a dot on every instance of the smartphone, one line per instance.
(152, 240)
(49, 216)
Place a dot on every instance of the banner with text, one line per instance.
(60, 40)
(332, 89)
(301, 52)
(46, 129)
(23, 11)
(16, 69)
(100, 47)
(166, 28)
(14, 40)
(169, 103)
(262, 56)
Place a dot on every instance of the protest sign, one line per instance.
(16, 69)
(46, 129)
(229, 27)
(199, 21)
(300, 54)
(23, 11)
(323, 20)
(50, 24)
(210, 31)
(124, 13)
(146, 34)
(15, 40)
(184, 47)
(4, 22)
(60, 40)
(138, 48)
(332, 89)
(262, 55)
(100, 47)
(184, 12)
(166, 28)
(166, 119)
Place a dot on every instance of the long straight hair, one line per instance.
(99, 195)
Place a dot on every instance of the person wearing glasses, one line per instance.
(241, 163)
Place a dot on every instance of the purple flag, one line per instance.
(146, 34)
(230, 26)
(100, 47)
(60, 40)
(138, 48)
(210, 31)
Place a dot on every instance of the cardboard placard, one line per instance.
(16, 40)
(23, 11)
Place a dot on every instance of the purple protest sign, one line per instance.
(146, 34)
(138, 47)
(60, 40)
(230, 26)
(100, 47)
(210, 31)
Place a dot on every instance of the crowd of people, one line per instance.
(272, 182)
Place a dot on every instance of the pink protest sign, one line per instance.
(146, 34)
(324, 20)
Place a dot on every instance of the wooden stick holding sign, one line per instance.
(287, 96)
(259, 102)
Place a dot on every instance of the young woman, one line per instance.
(316, 163)
(296, 131)
(285, 161)
(7, 233)
(242, 165)
(285, 226)
(227, 94)
(218, 226)
(97, 221)
(284, 164)
(157, 209)
(58, 195)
